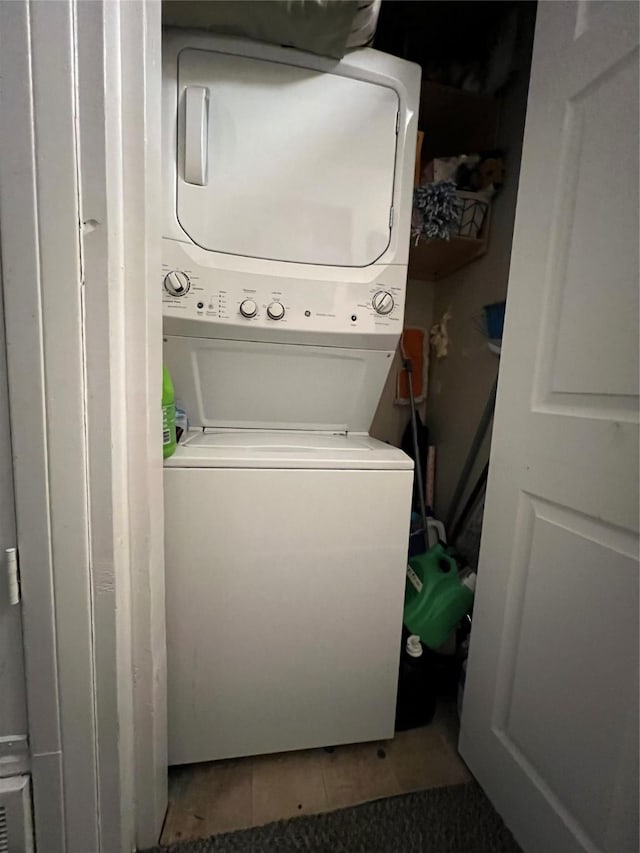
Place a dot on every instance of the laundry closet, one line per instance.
(292, 261)
(231, 640)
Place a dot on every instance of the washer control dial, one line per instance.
(248, 308)
(383, 302)
(275, 310)
(177, 283)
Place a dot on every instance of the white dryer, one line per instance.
(288, 182)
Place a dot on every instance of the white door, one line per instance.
(282, 162)
(550, 721)
(13, 716)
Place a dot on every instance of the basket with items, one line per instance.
(451, 207)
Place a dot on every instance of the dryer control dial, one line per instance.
(248, 308)
(177, 283)
(383, 302)
(275, 310)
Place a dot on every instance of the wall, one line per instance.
(460, 383)
(390, 420)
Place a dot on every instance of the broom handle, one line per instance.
(416, 451)
(476, 444)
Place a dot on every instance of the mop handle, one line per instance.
(408, 366)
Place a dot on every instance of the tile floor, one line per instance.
(220, 796)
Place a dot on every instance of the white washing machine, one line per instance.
(288, 182)
(286, 559)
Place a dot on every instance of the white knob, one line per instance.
(276, 310)
(177, 283)
(383, 302)
(248, 308)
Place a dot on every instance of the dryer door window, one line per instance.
(284, 163)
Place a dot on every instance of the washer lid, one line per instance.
(285, 163)
(256, 449)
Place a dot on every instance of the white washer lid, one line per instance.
(257, 449)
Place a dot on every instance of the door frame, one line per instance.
(80, 136)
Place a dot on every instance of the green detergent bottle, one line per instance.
(168, 415)
(436, 598)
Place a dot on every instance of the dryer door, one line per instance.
(284, 163)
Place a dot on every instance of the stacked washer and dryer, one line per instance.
(287, 204)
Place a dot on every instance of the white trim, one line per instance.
(61, 300)
(101, 199)
(80, 101)
(25, 368)
(119, 125)
(142, 78)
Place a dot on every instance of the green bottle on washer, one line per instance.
(168, 415)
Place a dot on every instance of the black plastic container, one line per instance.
(416, 701)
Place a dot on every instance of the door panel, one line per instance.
(546, 689)
(551, 700)
(281, 162)
(591, 253)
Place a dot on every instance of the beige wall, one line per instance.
(460, 383)
(390, 420)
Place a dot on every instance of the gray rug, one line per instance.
(458, 819)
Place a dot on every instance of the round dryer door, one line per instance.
(284, 163)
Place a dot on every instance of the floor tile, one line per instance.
(205, 799)
(358, 773)
(216, 797)
(422, 758)
(286, 785)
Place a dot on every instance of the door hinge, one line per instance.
(13, 575)
(390, 219)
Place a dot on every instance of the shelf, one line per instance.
(432, 260)
(453, 122)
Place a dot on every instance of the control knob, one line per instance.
(276, 310)
(177, 283)
(383, 302)
(248, 308)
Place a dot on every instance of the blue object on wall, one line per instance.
(494, 316)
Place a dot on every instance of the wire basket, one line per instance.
(472, 215)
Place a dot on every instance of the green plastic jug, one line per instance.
(435, 597)
(168, 415)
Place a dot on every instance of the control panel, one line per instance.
(230, 298)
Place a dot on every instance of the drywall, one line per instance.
(390, 420)
(460, 383)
